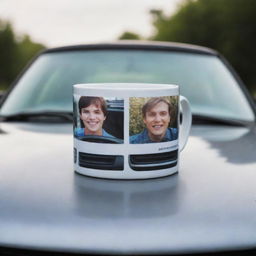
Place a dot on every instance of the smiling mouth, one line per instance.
(92, 123)
(157, 127)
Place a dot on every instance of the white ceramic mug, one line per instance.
(129, 130)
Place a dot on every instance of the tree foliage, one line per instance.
(129, 36)
(225, 25)
(14, 53)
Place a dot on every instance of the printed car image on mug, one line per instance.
(128, 130)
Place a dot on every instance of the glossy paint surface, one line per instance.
(210, 205)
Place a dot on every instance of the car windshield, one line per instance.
(203, 79)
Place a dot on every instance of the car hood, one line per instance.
(210, 205)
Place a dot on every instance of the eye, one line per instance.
(85, 111)
(151, 114)
(163, 113)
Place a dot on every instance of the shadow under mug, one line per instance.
(129, 130)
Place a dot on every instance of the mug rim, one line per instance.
(126, 86)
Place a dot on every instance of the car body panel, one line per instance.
(210, 205)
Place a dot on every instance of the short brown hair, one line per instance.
(86, 101)
(153, 102)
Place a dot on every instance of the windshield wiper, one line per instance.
(211, 120)
(39, 116)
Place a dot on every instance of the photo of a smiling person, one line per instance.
(156, 115)
(92, 114)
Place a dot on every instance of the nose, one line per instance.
(157, 118)
(91, 115)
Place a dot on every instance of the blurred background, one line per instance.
(28, 26)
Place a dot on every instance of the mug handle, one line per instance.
(185, 126)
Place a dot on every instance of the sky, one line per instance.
(64, 22)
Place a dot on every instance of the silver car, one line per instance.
(47, 208)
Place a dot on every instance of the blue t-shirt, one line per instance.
(171, 134)
(81, 132)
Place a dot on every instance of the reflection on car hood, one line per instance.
(209, 206)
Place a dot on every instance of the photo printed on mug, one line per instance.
(153, 119)
(99, 119)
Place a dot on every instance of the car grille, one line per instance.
(102, 162)
(150, 162)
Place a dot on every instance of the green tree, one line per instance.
(14, 53)
(129, 36)
(8, 53)
(225, 25)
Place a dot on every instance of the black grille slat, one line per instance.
(151, 162)
(154, 158)
(97, 159)
(153, 168)
(75, 155)
(102, 162)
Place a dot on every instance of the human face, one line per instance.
(93, 118)
(157, 120)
